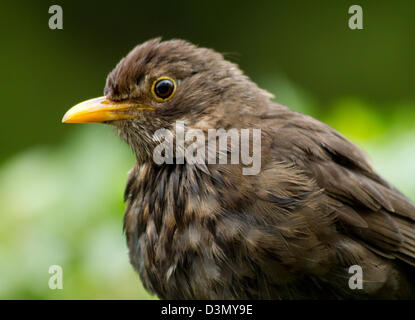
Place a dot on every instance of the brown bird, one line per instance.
(292, 230)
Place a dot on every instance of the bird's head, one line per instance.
(161, 82)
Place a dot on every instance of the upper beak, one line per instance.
(101, 109)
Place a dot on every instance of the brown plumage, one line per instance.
(291, 232)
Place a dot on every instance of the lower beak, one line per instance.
(101, 109)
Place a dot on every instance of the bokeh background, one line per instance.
(61, 186)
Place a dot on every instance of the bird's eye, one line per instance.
(163, 89)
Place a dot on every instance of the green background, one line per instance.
(61, 186)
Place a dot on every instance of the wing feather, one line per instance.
(367, 206)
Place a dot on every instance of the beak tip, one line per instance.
(65, 118)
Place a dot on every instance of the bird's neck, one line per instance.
(173, 196)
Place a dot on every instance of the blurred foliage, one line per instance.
(64, 206)
(61, 187)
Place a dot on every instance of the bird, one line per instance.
(297, 229)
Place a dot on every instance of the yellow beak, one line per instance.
(101, 109)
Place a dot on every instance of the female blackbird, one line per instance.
(315, 222)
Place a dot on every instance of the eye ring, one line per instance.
(161, 84)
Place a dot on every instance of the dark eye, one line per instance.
(164, 88)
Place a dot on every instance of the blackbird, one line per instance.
(315, 222)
